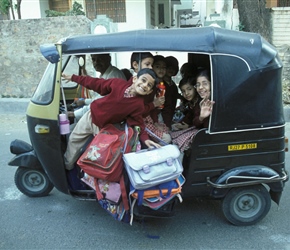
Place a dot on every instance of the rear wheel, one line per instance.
(32, 182)
(246, 205)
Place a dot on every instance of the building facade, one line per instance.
(130, 14)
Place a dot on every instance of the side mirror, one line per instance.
(50, 52)
(81, 62)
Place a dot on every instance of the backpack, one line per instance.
(147, 168)
(156, 201)
(103, 157)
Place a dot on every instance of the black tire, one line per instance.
(246, 206)
(32, 182)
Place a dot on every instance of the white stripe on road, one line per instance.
(10, 194)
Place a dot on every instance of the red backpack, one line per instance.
(103, 157)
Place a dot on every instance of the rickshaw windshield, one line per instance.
(44, 92)
(70, 65)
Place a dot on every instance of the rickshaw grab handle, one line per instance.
(251, 180)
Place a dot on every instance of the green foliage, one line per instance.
(241, 27)
(53, 13)
(4, 7)
(75, 11)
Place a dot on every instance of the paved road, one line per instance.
(62, 222)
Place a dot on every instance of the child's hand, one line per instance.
(151, 144)
(158, 101)
(79, 102)
(66, 77)
(180, 126)
(159, 126)
(70, 114)
(205, 108)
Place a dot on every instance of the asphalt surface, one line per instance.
(60, 221)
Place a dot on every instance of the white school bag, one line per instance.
(148, 168)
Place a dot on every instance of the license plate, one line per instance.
(242, 146)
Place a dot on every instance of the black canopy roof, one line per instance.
(246, 69)
(249, 46)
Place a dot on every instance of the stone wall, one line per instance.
(284, 53)
(280, 25)
(281, 40)
(22, 64)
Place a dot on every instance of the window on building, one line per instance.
(283, 3)
(59, 5)
(114, 9)
(152, 12)
(161, 14)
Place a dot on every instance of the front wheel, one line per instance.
(32, 182)
(246, 206)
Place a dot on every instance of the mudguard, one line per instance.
(24, 155)
(249, 175)
(19, 147)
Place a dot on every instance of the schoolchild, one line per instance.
(204, 109)
(201, 110)
(184, 131)
(188, 70)
(171, 94)
(153, 122)
(141, 60)
(122, 101)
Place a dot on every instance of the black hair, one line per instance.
(102, 55)
(188, 69)
(127, 73)
(158, 58)
(188, 79)
(192, 81)
(171, 61)
(205, 73)
(150, 72)
(139, 56)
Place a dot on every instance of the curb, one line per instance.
(19, 105)
(13, 105)
(287, 114)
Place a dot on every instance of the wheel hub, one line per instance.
(247, 205)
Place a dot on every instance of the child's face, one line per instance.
(146, 63)
(170, 71)
(160, 69)
(188, 91)
(203, 87)
(143, 85)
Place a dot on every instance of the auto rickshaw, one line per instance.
(239, 159)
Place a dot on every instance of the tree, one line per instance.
(76, 10)
(255, 17)
(12, 9)
(17, 6)
(4, 7)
